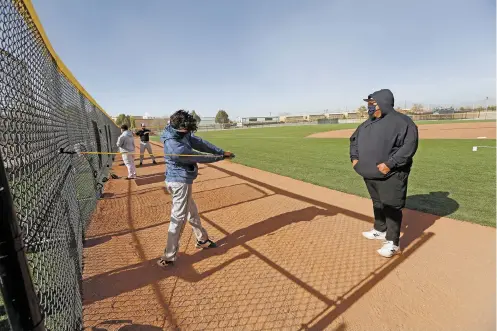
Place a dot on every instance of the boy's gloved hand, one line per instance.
(228, 155)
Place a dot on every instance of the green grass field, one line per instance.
(439, 166)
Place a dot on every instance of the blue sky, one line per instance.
(255, 57)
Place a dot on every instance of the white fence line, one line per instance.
(217, 127)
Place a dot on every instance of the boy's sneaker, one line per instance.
(388, 249)
(163, 263)
(140, 164)
(374, 234)
(206, 244)
(130, 178)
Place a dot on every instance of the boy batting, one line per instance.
(181, 171)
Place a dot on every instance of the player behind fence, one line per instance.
(126, 145)
(179, 139)
(144, 134)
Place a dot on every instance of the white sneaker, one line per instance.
(374, 234)
(388, 249)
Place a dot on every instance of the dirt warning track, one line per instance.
(290, 257)
(467, 130)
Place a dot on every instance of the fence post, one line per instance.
(17, 288)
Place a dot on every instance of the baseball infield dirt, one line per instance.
(468, 130)
(290, 257)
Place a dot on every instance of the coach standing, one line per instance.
(144, 135)
(381, 151)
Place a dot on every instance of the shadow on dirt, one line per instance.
(135, 276)
(129, 326)
(96, 241)
(150, 179)
(435, 205)
(132, 277)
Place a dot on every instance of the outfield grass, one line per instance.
(439, 166)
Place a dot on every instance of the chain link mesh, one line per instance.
(54, 194)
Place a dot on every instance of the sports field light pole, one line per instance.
(486, 107)
(21, 302)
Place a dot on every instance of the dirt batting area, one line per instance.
(467, 130)
(290, 257)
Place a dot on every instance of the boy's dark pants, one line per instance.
(389, 198)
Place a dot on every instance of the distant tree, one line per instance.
(362, 110)
(462, 108)
(222, 117)
(127, 121)
(416, 108)
(492, 108)
(120, 119)
(195, 115)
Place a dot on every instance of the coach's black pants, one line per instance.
(389, 197)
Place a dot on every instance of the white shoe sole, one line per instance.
(367, 236)
(387, 255)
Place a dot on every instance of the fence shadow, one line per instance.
(147, 165)
(134, 193)
(94, 241)
(132, 277)
(415, 225)
(150, 180)
(129, 326)
(332, 312)
(107, 195)
(140, 327)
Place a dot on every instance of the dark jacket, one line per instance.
(183, 169)
(391, 139)
(141, 133)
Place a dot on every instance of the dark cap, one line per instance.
(370, 98)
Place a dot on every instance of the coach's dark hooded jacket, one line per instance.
(391, 139)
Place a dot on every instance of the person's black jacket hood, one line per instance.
(391, 139)
(384, 98)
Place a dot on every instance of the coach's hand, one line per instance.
(354, 162)
(383, 168)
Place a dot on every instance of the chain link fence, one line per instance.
(44, 109)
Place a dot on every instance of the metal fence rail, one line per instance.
(42, 109)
